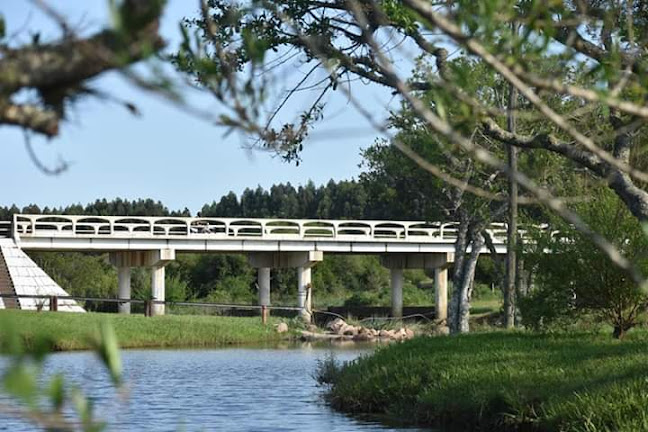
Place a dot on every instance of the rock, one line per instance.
(442, 331)
(387, 334)
(348, 330)
(312, 328)
(336, 325)
(341, 329)
(282, 328)
(363, 337)
(400, 334)
(409, 333)
(310, 336)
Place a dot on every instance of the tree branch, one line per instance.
(544, 141)
(32, 117)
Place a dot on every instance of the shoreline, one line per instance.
(499, 381)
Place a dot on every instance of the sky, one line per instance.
(165, 154)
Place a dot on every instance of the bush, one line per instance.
(578, 278)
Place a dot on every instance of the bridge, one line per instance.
(269, 244)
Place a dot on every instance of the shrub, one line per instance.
(577, 277)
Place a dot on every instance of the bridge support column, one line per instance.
(441, 293)
(303, 261)
(156, 259)
(304, 294)
(158, 289)
(396, 262)
(263, 276)
(397, 292)
(124, 278)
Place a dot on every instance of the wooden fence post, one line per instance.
(264, 314)
(53, 303)
(147, 308)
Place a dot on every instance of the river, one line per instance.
(231, 389)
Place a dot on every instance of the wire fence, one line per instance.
(54, 302)
(146, 307)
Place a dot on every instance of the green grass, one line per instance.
(502, 381)
(71, 331)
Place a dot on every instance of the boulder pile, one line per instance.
(340, 329)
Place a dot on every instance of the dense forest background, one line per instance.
(228, 278)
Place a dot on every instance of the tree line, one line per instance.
(345, 199)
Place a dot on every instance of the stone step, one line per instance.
(6, 285)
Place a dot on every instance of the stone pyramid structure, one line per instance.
(20, 275)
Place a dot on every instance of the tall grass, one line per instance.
(70, 331)
(502, 381)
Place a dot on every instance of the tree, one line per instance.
(577, 278)
(239, 45)
(388, 167)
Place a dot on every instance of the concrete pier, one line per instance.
(441, 293)
(304, 294)
(124, 281)
(156, 260)
(158, 290)
(397, 292)
(302, 261)
(397, 262)
(263, 277)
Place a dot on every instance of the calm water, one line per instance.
(236, 389)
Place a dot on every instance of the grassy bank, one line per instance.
(72, 331)
(502, 381)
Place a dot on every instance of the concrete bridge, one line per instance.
(269, 244)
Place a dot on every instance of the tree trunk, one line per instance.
(461, 245)
(511, 231)
(464, 276)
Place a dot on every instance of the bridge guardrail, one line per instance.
(245, 228)
(5, 229)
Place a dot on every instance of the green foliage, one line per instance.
(232, 290)
(176, 289)
(86, 275)
(37, 400)
(500, 381)
(578, 278)
(327, 370)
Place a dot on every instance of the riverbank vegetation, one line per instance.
(500, 381)
(70, 331)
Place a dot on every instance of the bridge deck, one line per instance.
(63, 232)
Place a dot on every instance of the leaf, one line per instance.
(107, 348)
(57, 391)
(85, 410)
(3, 27)
(20, 382)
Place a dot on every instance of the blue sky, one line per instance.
(165, 154)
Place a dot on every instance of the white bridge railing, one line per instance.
(27, 225)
